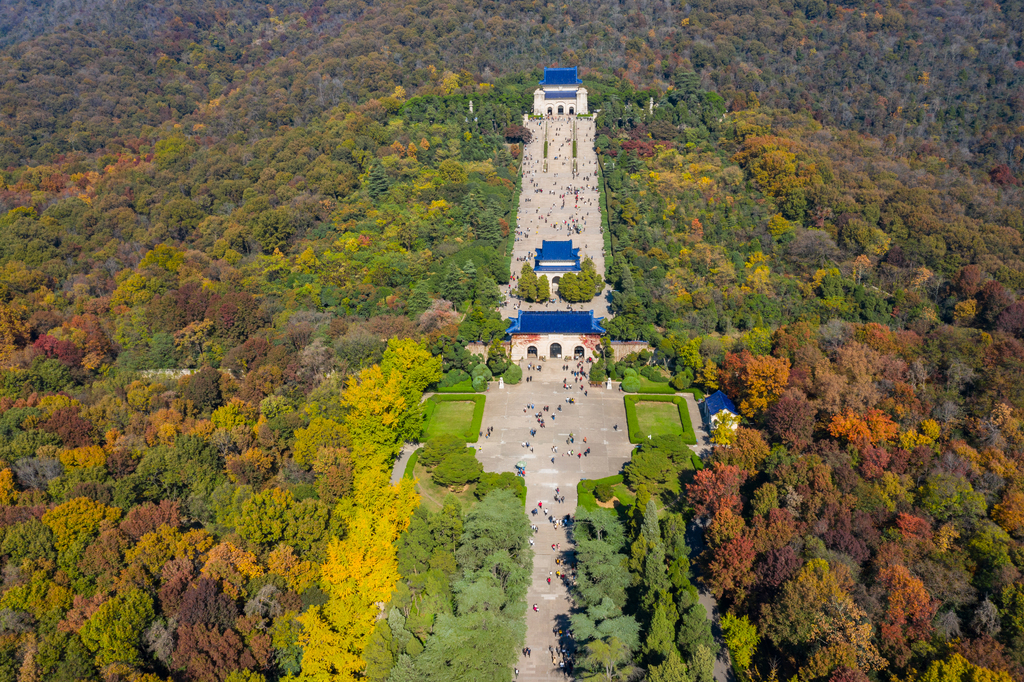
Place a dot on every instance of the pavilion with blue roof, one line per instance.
(560, 93)
(554, 334)
(713, 407)
(557, 256)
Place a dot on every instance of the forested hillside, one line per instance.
(238, 241)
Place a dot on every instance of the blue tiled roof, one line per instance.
(716, 402)
(557, 250)
(557, 268)
(556, 322)
(561, 77)
(560, 94)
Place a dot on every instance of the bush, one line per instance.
(481, 370)
(631, 384)
(456, 376)
(479, 384)
(629, 372)
(682, 380)
(604, 492)
(513, 375)
(653, 374)
(597, 373)
(458, 469)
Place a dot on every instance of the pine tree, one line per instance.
(488, 228)
(660, 642)
(420, 299)
(378, 183)
(453, 287)
(543, 288)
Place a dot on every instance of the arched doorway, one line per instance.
(561, 110)
(556, 351)
(549, 111)
(556, 280)
(531, 352)
(572, 110)
(578, 353)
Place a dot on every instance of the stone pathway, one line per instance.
(542, 214)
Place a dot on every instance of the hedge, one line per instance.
(606, 229)
(633, 425)
(473, 435)
(465, 386)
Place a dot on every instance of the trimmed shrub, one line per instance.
(479, 384)
(604, 492)
(631, 384)
(629, 372)
(513, 375)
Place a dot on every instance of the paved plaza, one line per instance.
(548, 208)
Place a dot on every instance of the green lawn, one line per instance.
(658, 419)
(453, 415)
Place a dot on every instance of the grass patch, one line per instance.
(657, 387)
(453, 415)
(659, 419)
(663, 415)
(410, 466)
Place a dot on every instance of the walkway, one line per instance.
(593, 416)
(547, 209)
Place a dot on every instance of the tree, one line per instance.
(817, 623)
(76, 519)
(543, 289)
(262, 517)
(741, 638)
(791, 419)
(649, 466)
(526, 289)
(605, 659)
(203, 389)
(716, 488)
(956, 668)
(378, 183)
(672, 670)
(113, 633)
(758, 380)
(909, 612)
(458, 469)
(359, 572)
